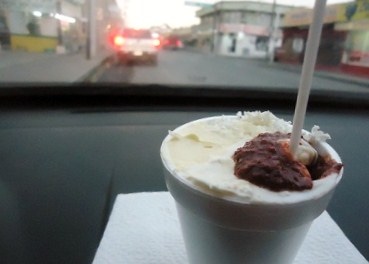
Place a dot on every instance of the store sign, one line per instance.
(352, 25)
(256, 30)
(304, 16)
(230, 28)
(356, 58)
(346, 12)
(247, 29)
(357, 10)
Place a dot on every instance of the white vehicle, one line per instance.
(136, 45)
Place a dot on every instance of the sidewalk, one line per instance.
(26, 67)
(333, 73)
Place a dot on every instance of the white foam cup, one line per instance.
(227, 230)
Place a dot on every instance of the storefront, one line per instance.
(72, 27)
(42, 26)
(241, 28)
(330, 50)
(355, 57)
(295, 28)
(242, 40)
(344, 40)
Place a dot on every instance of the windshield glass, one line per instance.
(178, 42)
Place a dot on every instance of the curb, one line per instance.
(350, 80)
(327, 75)
(88, 77)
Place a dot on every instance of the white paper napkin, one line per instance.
(143, 228)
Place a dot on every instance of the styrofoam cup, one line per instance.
(228, 231)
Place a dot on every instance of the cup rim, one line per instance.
(319, 189)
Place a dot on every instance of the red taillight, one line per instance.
(179, 44)
(156, 42)
(118, 40)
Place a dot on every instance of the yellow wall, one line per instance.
(361, 10)
(304, 16)
(346, 12)
(33, 43)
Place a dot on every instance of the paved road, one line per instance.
(191, 68)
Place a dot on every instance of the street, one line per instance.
(184, 67)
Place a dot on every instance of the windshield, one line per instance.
(243, 44)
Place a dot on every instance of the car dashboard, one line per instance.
(67, 151)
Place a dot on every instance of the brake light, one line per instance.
(156, 42)
(179, 44)
(118, 40)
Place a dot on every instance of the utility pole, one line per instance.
(216, 19)
(91, 29)
(270, 52)
(59, 24)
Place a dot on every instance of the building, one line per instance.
(42, 25)
(50, 25)
(344, 40)
(240, 28)
(355, 57)
(295, 27)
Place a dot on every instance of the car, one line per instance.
(172, 42)
(135, 45)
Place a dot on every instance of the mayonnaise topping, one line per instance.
(200, 152)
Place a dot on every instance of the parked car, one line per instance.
(132, 45)
(172, 42)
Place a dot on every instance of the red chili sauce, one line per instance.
(266, 163)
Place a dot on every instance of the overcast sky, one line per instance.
(146, 13)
